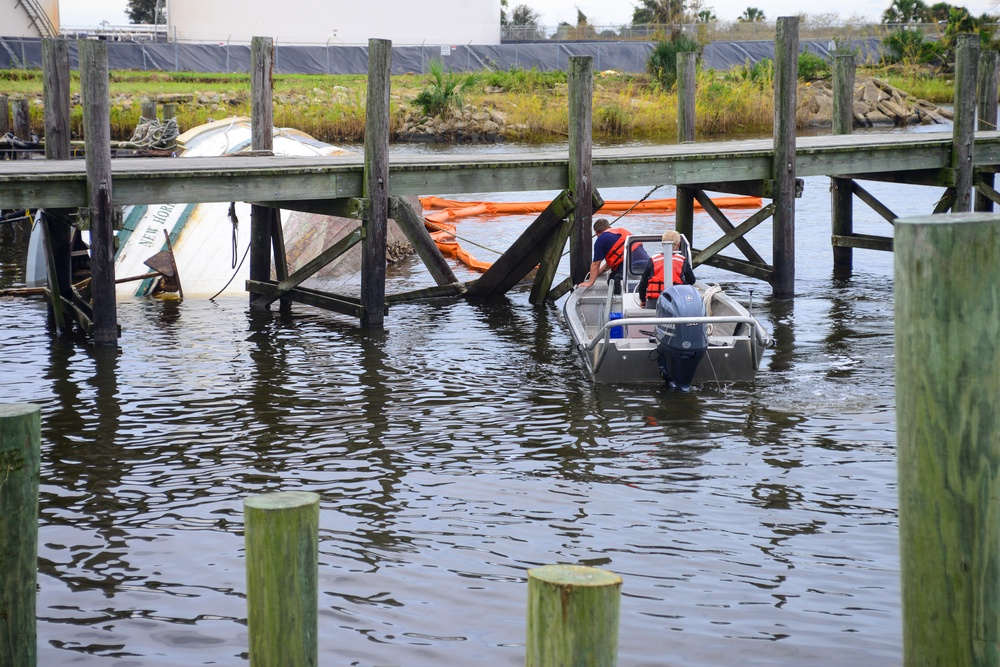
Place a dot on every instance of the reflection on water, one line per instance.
(752, 524)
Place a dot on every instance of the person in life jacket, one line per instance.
(653, 278)
(609, 250)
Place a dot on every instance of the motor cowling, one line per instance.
(680, 347)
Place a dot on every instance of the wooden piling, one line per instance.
(573, 614)
(20, 438)
(56, 91)
(963, 129)
(841, 195)
(170, 111)
(282, 562)
(97, 144)
(148, 109)
(685, 96)
(684, 212)
(580, 80)
(376, 184)
(22, 119)
(947, 320)
(4, 115)
(987, 91)
(786, 79)
(262, 139)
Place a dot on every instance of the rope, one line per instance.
(152, 133)
(629, 210)
(441, 228)
(235, 273)
(236, 232)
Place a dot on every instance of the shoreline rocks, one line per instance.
(466, 125)
(876, 104)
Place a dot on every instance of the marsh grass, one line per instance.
(332, 107)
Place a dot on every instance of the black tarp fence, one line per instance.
(22, 53)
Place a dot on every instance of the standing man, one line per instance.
(609, 251)
(654, 277)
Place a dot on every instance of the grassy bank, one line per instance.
(331, 108)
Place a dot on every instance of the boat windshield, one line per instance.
(637, 258)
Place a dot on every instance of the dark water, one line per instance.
(752, 524)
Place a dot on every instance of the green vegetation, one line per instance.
(445, 90)
(662, 63)
(812, 67)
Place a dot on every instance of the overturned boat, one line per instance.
(697, 334)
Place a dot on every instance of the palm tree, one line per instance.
(905, 11)
(707, 16)
(752, 15)
(658, 11)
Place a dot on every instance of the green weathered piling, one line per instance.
(841, 191)
(686, 63)
(963, 129)
(580, 80)
(376, 183)
(947, 305)
(20, 436)
(786, 80)
(282, 560)
(572, 616)
(986, 105)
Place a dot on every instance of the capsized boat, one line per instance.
(697, 333)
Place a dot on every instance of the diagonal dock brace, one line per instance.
(525, 253)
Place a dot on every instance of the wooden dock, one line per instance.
(370, 186)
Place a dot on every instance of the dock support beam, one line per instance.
(4, 115)
(786, 79)
(947, 317)
(97, 144)
(581, 144)
(22, 119)
(376, 184)
(841, 197)
(262, 139)
(20, 445)
(56, 91)
(989, 77)
(963, 133)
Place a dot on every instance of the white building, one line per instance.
(29, 18)
(335, 22)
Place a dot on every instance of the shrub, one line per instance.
(445, 90)
(662, 63)
(614, 120)
(812, 67)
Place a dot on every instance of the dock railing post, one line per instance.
(989, 77)
(573, 616)
(376, 184)
(841, 194)
(686, 62)
(56, 92)
(580, 79)
(963, 129)
(282, 562)
(786, 79)
(22, 119)
(262, 139)
(684, 212)
(20, 438)
(947, 322)
(97, 144)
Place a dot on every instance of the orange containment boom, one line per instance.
(450, 209)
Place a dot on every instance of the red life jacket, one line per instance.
(678, 268)
(655, 284)
(617, 251)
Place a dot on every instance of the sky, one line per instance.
(85, 13)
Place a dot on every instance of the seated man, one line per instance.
(653, 278)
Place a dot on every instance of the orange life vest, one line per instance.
(678, 268)
(617, 251)
(655, 284)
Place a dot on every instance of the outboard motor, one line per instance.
(680, 347)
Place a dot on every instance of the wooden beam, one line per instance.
(865, 241)
(786, 81)
(943, 177)
(737, 232)
(525, 253)
(342, 207)
(97, 134)
(562, 288)
(549, 264)
(987, 92)
(946, 202)
(686, 62)
(579, 172)
(741, 266)
(874, 203)
(841, 193)
(412, 224)
(344, 305)
(310, 268)
(376, 182)
(262, 139)
(986, 191)
(727, 227)
(966, 63)
(440, 291)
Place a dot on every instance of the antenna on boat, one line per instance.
(750, 307)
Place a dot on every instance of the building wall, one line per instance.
(16, 22)
(336, 22)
